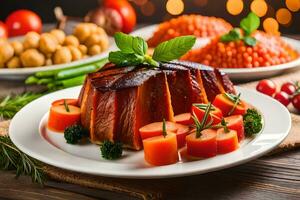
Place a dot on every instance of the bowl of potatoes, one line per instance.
(26, 55)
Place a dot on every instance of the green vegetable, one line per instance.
(249, 24)
(133, 50)
(12, 158)
(44, 81)
(252, 122)
(236, 99)
(233, 35)
(66, 106)
(73, 72)
(75, 133)
(164, 128)
(31, 80)
(9, 106)
(200, 126)
(173, 49)
(110, 150)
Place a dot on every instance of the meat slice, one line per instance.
(225, 82)
(147, 101)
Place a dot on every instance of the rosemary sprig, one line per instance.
(200, 126)
(12, 158)
(164, 128)
(66, 106)
(9, 106)
(234, 98)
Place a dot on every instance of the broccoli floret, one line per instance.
(110, 150)
(75, 133)
(252, 122)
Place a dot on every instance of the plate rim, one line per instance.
(35, 153)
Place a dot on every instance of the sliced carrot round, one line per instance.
(184, 118)
(226, 105)
(161, 150)
(181, 133)
(227, 142)
(155, 129)
(73, 102)
(215, 115)
(205, 146)
(235, 122)
(60, 118)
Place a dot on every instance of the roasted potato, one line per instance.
(31, 40)
(18, 47)
(62, 55)
(48, 43)
(59, 35)
(83, 49)
(82, 32)
(76, 53)
(14, 62)
(32, 58)
(94, 50)
(6, 52)
(71, 40)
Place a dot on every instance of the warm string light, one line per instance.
(259, 7)
(235, 7)
(283, 16)
(175, 7)
(148, 8)
(270, 25)
(293, 5)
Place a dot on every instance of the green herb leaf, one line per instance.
(250, 41)
(12, 158)
(233, 35)
(125, 59)
(66, 106)
(250, 23)
(174, 48)
(252, 122)
(110, 150)
(164, 128)
(139, 46)
(236, 100)
(124, 42)
(200, 126)
(224, 124)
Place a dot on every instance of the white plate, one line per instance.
(23, 73)
(242, 74)
(27, 131)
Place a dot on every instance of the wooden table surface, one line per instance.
(272, 177)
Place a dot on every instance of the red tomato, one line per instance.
(21, 22)
(127, 12)
(226, 105)
(235, 122)
(215, 114)
(267, 87)
(288, 88)
(3, 30)
(296, 101)
(283, 98)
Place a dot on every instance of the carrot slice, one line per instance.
(184, 118)
(155, 129)
(181, 133)
(226, 105)
(60, 118)
(161, 150)
(215, 115)
(73, 102)
(235, 122)
(205, 146)
(227, 142)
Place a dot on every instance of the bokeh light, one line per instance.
(140, 2)
(175, 7)
(283, 16)
(259, 7)
(148, 8)
(235, 7)
(270, 25)
(293, 5)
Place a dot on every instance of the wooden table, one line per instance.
(272, 177)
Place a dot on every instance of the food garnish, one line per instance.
(248, 25)
(10, 105)
(133, 50)
(235, 99)
(111, 150)
(252, 122)
(66, 106)
(75, 133)
(12, 158)
(230, 104)
(164, 128)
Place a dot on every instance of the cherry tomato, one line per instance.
(127, 12)
(22, 21)
(288, 88)
(267, 87)
(283, 98)
(296, 101)
(3, 30)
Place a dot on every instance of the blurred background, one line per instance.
(278, 15)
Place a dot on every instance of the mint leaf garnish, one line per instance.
(173, 49)
(250, 23)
